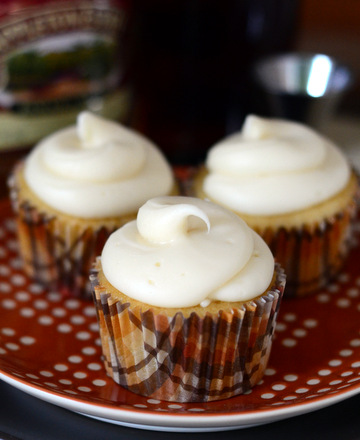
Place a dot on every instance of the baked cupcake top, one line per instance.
(184, 252)
(97, 169)
(274, 167)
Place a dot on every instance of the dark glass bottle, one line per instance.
(191, 64)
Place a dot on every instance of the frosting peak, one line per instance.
(182, 252)
(163, 220)
(89, 170)
(274, 166)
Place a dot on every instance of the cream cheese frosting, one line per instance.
(183, 252)
(274, 167)
(97, 169)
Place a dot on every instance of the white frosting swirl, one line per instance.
(183, 251)
(274, 167)
(97, 169)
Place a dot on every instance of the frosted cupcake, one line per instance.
(187, 298)
(294, 187)
(75, 188)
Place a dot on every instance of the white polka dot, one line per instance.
(355, 379)
(27, 340)
(4, 270)
(288, 342)
(9, 304)
(347, 373)
(332, 288)
(8, 331)
(22, 296)
(64, 328)
(41, 304)
(80, 375)
(353, 292)
(267, 395)
(75, 359)
(324, 390)
(94, 327)
(94, 366)
(50, 384)
(291, 377)
(355, 343)
(83, 336)
(302, 390)
(343, 278)
(2, 351)
(65, 381)
(46, 373)
(99, 382)
(335, 382)
(88, 351)
(270, 372)
(77, 319)
(310, 323)
(84, 389)
(12, 346)
(300, 333)
(36, 289)
(153, 401)
(174, 406)
(323, 298)
(346, 353)
(17, 280)
(280, 327)
(32, 376)
(196, 409)
(290, 398)
(61, 367)
(355, 364)
(290, 317)
(26, 312)
(89, 311)
(59, 312)
(313, 382)
(343, 303)
(278, 387)
(72, 304)
(70, 392)
(324, 372)
(335, 362)
(54, 296)
(45, 320)
(139, 405)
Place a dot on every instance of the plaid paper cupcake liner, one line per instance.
(187, 358)
(312, 255)
(57, 253)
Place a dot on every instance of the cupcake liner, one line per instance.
(312, 255)
(187, 358)
(57, 253)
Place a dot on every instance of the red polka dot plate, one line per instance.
(49, 348)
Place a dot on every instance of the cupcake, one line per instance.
(294, 187)
(76, 187)
(187, 297)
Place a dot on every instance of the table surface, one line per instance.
(25, 417)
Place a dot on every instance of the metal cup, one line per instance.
(303, 87)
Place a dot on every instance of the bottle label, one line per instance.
(56, 59)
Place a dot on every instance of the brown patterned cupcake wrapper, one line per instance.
(187, 359)
(57, 254)
(312, 255)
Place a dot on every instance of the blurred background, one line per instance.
(178, 71)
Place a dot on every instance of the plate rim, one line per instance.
(171, 420)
